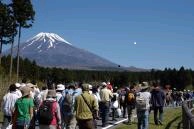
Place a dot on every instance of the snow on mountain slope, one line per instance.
(50, 39)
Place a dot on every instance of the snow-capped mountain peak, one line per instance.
(51, 39)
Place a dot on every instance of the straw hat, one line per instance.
(144, 86)
(30, 85)
(85, 87)
(25, 91)
(104, 84)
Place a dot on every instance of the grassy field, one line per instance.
(172, 120)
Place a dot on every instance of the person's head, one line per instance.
(104, 85)
(25, 91)
(156, 84)
(85, 87)
(132, 87)
(144, 86)
(12, 88)
(60, 88)
(51, 94)
(18, 85)
(31, 86)
(94, 89)
(71, 85)
(44, 88)
(76, 85)
(115, 89)
(24, 80)
(34, 82)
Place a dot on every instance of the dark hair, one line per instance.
(33, 82)
(94, 89)
(156, 83)
(12, 87)
(24, 80)
(44, 88)
(131, 87)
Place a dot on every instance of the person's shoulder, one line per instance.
(78, 97)
(147, 93)
(5, 96)
(18, 100)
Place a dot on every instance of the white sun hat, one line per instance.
(17, 85)
(60, 87)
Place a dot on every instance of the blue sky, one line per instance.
(162, 29)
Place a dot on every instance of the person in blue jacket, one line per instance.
(157, 101)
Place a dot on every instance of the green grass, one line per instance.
(172, 120)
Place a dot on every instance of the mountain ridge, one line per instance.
(51, 50)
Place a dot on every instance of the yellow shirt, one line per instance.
(106, 95)
(82, 110)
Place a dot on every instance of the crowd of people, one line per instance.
(73, 105)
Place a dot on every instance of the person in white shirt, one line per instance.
(114, 103)
(8, 104)
(97, 97)
(143, 106)
(105, 95)
(43, 93)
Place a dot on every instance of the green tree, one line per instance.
(7, 28)
(24, 14)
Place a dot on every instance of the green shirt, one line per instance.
(82, 110)
(23, 106)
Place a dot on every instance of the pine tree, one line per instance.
(24, 14)
(7, 26)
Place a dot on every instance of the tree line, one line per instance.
(20, 14)
(179, 79)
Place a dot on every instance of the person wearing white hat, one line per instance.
(106, 96)
(59, 90)
(18, 92)
(143, 106)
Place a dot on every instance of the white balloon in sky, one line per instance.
(135, 43)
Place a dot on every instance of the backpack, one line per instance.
(36, 101)
(46, 112)
(130, 97)
(67, 104)
(141, 103)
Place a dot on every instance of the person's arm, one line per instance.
(58, 116)
(110, 94)
(31, 109)
(95, 106)
(75, 105)
(31, 112)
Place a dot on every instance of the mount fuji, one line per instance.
(50, 50)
